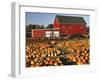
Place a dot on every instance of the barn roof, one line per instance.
(70, 19)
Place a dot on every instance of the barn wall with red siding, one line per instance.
(56, 23)
(38, 33)
(73, 28)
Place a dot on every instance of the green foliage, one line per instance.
(36, 26)
(33, 26)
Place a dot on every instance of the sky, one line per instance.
(48, 18)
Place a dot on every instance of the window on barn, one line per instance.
(56, 33)
(48, 33)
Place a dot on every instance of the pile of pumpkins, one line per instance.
(47, 53)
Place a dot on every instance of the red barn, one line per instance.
(70, 25)
(63, 25)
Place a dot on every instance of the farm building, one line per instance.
(63, 25)
(38, 33)
(70, 25)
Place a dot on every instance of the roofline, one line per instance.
(69, 16)
(73, 23)
(47, 29)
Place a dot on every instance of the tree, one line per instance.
(28, 28)
(42, 27)
(87, 29)
(50, 26)
(33, 26)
